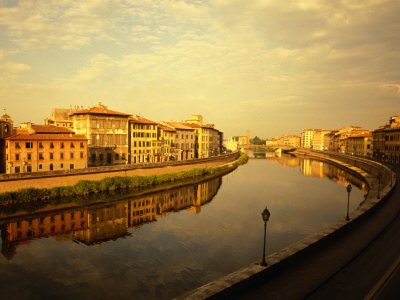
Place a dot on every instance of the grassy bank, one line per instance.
(86, 187)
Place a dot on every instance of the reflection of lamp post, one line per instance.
(379, 184)
(348, 188)
(265, 216)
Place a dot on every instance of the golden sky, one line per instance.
(272, 67)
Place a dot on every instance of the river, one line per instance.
(163, 244)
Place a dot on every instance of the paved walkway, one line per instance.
(346, 267)
(48, 182)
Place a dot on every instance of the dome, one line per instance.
(5, 117)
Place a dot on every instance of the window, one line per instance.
(93, 124)
(109, 124)
(41, 157)
(117, 139)
(116, 156)
(62, 155)
(29, 156)
(51, 155)
(28, 145)
(94, 139)
(101, 139)
(117, 124)
(101, 157)
(71, 166)
(123, 156)
(16, 156)
(51, 145)
(51, 167)
(62, 145)
(71, 155)
(82, 145)
(40, 166)
(61, 166)
(81, 155)
(40, 145)
(93, 158)
(17, 169)
(123, 139)
(29, 168)
(72, 145)
(109, 139)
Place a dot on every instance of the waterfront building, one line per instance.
(360, 144)
(272, 143)
(231, 144)
(167, 142)
(208, 139)
(386, 141)
(340, 138)
(37, 148)
(307, 137)
(318, 141)
(144, 143)
(60, 117)
(106, 131)
(6, 130)
(143, 210)
(185, 140)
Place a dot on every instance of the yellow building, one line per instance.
(107, 132)
(144, 144)
(307, 137)
(319, 141)
(386, 141)
(360, 144)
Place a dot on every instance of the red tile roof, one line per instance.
(24, 136)
(99, 111)
(192, 125)
(50, 129)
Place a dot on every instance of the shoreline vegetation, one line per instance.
(88, 187)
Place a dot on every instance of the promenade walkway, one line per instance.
(353, 265)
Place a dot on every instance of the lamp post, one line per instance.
(265, 216)
(379, 184)
(348, 188)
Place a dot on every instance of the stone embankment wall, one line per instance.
(364, 169)
(13, 182)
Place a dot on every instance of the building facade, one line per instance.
(185, 140)
(39, 148)
(107, 134)
(144, 145)
(307, 137)
(386, 141)
(360, 145)
(6, 130)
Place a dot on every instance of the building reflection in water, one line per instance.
(315, 168)
(103, 222)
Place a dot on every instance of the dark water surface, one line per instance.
(164, 244)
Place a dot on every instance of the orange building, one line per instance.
(38, 148)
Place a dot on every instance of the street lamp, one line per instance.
(265, 216)
(348, 188)
(379, 184)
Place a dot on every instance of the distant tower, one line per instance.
(6, 130)
(248, 137)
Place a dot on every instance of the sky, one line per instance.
(272, 67)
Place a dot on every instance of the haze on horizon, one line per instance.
(271, 67)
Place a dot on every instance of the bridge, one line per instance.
(282, 148)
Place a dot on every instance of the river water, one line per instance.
(163, 244)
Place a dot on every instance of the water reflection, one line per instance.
(100, 223)
(162, 244)
(311, 168)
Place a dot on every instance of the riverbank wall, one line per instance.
(254, 274)
(15, 182)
